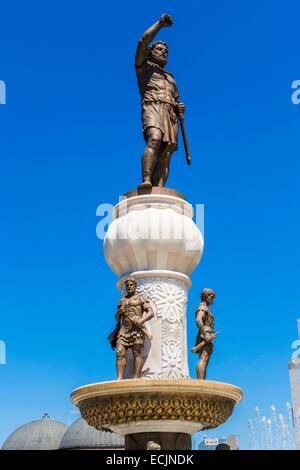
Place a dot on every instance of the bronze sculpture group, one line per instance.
(130, 332)
(161, 110)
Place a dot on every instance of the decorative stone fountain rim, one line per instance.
(143, 405)
(127, 386)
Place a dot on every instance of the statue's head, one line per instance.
(208, 295)
(130, 285)
(158, 53)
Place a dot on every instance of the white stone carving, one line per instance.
(165, 356)
(168, 295)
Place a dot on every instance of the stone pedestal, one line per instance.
(153, 237)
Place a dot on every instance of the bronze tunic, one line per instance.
(132, 308)
(160, 96)
(209, 326)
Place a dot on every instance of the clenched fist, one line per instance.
(166, 20)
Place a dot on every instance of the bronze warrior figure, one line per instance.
(131, 332)
(160, 105)
(205, 323)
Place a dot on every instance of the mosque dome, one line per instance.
(83, 436)
(42, 434)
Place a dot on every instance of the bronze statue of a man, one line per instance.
(160, 105)
(205, 323)
(131, 331)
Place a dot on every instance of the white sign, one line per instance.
(211, 442)
(296, 94)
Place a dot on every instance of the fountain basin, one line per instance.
(144, 405)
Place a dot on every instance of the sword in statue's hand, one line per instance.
(180, 111)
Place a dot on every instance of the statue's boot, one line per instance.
(147, 173)
(146, 184)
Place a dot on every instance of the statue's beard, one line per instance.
(161, 61)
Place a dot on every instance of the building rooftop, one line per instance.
(81, 435)
(42, 434)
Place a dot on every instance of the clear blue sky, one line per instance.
(71, 139)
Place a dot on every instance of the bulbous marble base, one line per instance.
(153, 232)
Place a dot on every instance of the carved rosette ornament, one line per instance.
(169, 299)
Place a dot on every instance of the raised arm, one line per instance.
(148, 36)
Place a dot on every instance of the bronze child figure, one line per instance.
(130, 331)
(160, 105)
